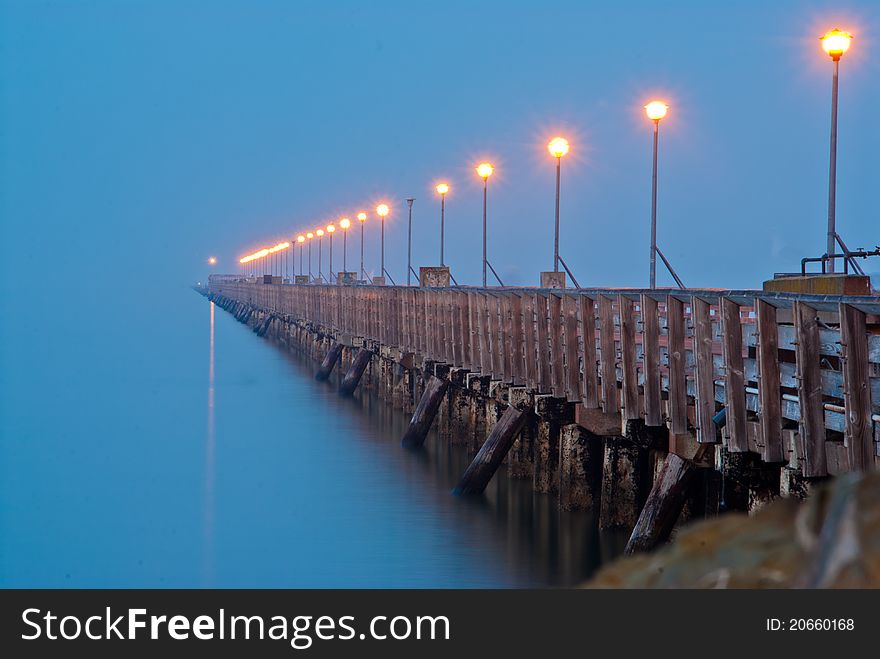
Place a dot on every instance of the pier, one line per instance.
(648, 407)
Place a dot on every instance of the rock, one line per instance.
(832, 540)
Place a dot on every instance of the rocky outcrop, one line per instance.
(832, 540)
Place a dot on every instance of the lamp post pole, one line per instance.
(556, 233)
(485, 200)
(653, 282)
(442, 225)
(409, 203)
(832, 168)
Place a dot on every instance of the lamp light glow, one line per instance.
(331, 228)
(836, 42)
(300, 238)
(656, 110)
(382, 210)
(558, 147)
(319, 232)
(442, 188)
(484, 170)
(310, 235)
(344, 223)
(212, 260)
(362, 217)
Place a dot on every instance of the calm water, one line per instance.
(172, 447)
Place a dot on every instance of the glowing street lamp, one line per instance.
(362, 217)
(300, 239)
(212, 260)
(442, 189)
(558, 147)
(655, 110)
(344, 224)
(484, 171)
(310, 235)
(834, 42)
(320, 234)
(382, 211)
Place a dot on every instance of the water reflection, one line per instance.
(210, 444)
(518, 533)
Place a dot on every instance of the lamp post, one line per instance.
(310, 235)
(362, 217)
(382, 211)
(484, 171)
(834, 42)
(442, 189)
(331, 229)
(300, 239)
(409, 203)
(344, 224)
(557, 147)
(655, 110)
(320, 234)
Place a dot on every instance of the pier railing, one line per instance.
(797, 376)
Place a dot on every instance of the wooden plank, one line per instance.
(542, 345)
(812, 425)
(651, 360)
(500, 348)
(530, 361)
(769, 394)
(473, 361)
(504, 302)
(704, 371)
(607, 356)
(492, 326)
(572, 353)
(516, 340)
(858, 435)
(628, 357)
(734, 380)
(554, 329)
(483, 335)
(443, 323)
(590, 381)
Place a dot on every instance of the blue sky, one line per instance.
(138, 138)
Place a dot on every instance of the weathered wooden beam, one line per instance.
(858, 434)
(572, 359)
(355, 372)
(545, 380)
(651, 360)
(491, 454)
(530, 360)
(678, 397)
(425, 412)
(329, 362)
(557, 379)
(704, 371)
(812, 429)
(769, 394)
(664, 504)
(607, 356)
(734, 380)
(628, 357)
(590, 381)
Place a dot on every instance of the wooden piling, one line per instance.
(664, 504)
(491, 454)
(353, 376)
(425, 412)
(329, 362)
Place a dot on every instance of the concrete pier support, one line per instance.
(580, 469)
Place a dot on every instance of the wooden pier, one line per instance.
(772, 390)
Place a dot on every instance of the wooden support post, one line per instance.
(651, 368)
(608, 356)
(812, 423)
(329, 362)
(858, 432)
(704, 366)
(590, 381)
(665, 502)
(425, 412)
(530, 360)
(353, 377)
(734, 376)
(678, 398)
(769, 394)
(545, 383)
(628, 358)
(557, 377)
(491, 454)
(572, 358)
